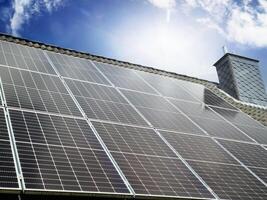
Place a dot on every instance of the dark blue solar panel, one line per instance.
(63, 154)
(8, 175)
(35, 91)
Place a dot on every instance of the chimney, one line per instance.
(240, 77)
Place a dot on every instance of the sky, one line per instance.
(182, 36)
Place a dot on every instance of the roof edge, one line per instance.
(57, 49)
(239, 56)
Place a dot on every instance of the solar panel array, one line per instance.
(72, 125)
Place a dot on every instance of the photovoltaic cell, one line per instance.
(76, 68)
(124, 78)
(94, 91)
(24, 57)
(147, 162)
(230, 182)
(110, 111)
(170, 121)
(166, 86)
(148, 101)
(219, 128)
(238, 118)
(248, 154)
(258, 134)
(129, 139)
(212, 99)
(260, 172)
(3, 126)
(197, 148)
(151, 175)
(62, 154)
(204, 95)
(8, 175)
(105, 103)
(35, 91)
(195, 109)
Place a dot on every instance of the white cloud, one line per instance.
(248, 26)
(167, 5)
(23, 10)
(244, 22)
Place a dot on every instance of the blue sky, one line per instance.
(183, 36)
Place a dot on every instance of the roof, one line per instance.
(255, 111)
(231, 54)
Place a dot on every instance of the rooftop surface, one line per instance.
(255, 111)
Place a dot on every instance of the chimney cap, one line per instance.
(235, 55)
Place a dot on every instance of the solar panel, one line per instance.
(1, 101)
(110, 111)
(248, 154)
(130, 139)
(213, 100)
(24, 57)
(148, 101)
(76, 68)
(195, 109)
(260, 172)
(167, 86)
(105, 103)
(204, 95)
(170, 121)
(94, 91)
(197, 147)
(124, 78)
(59, 151)
(62, 154)
(148, 163)
(230, 181)
(36, 91)
(238, 118)
(8, 175)
(221, 129)
(3, 126)
(258, 134)
(149, 175)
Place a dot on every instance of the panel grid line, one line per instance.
(179, 110)
(117, 89)
(28, 70)
(233, 124)
(44, 112)
(188, 166)
(179, 157)
(34, 153)
(196, 123)
(143, 117)
(54, 98)
(65, 155)
(241, 163)
(160, 129)
(93, 129)
(117, 131)
(76, 147)
(219, 143)
(214, 141)
(12, 140)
